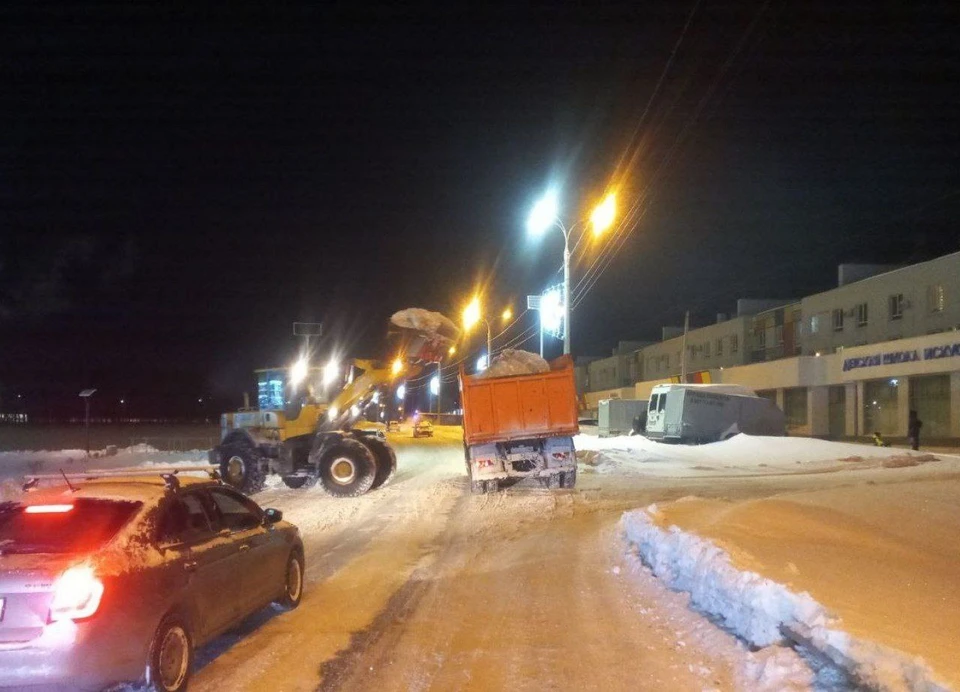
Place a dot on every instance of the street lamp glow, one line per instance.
(452, 351)
(507, 314)
(397, 367)
(402, 392)
(551, 311)
(481, 363)
(330, 372)
(434, 385)
(298, 373)
(603, 216)
(471, 313)
(544, 214)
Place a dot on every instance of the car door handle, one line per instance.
(245, 547)
(190, 566)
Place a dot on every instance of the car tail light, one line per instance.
(47, 509)
(76, 594)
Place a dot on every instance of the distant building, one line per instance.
(845, 362)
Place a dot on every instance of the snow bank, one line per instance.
(764, 612)
(511, 362)
(746, 454)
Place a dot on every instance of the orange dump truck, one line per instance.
(519, 426)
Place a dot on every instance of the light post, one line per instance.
(473, 313)
(544, 215)
(85, 395)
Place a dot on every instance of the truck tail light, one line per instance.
(76, 594)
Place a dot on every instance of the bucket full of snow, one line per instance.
(424, 335)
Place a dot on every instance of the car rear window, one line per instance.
(76, 526)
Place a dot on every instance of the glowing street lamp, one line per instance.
(330, 372)
(473, 313)
(544, 215)
(298, 373)
(397, 367)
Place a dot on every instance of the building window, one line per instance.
(778, 334)
(761, 338)
(935, 298)
(734, 343)
(862, 315)
(815, 324)
(795, 406)
(706, 350)
(838, 320)
(896, 306)
(720, 347)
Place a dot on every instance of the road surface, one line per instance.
(423, 586)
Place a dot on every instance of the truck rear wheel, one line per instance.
(492, 486)
(386, 460)
(348, 469)
(242, 467)
(568, 479)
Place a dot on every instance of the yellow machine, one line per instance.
(304, 427)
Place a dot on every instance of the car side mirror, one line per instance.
(272, 516)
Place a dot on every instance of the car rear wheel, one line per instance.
(171, 657)
(293, 582)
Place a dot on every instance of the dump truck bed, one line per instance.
(520, 407)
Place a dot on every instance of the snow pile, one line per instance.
(764, 612)
(742, 454)
(511, 362)
(425, 321)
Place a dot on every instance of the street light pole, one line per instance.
(566, 291)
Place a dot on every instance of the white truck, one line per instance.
(700, 413)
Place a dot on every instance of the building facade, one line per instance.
(846, 362)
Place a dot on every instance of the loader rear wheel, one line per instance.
(348, 469)
(386, 461)
(243, 468)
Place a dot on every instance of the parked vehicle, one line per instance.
(112, 579)
(520, 426)
(616, 416)
(695, 414)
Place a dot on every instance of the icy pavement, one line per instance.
(863, 576)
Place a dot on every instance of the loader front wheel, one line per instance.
(348, 469)
(243, 468)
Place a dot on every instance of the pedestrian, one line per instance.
(913, 430)
(879, 441)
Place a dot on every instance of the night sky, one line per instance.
(178, 186)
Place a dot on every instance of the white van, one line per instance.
(699, 413)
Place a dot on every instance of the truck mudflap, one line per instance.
(560, 453)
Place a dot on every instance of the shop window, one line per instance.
(838, 320)
(896, 306)
(930, 398)
(862, 315)
(881, 407)
(795, 406)
(935, 298)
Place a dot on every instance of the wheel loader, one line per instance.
(312, 435)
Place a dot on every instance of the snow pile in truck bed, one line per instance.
(425, 321)
(511, 362)
(763, 612)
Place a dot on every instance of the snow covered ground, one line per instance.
(857, 577)
(421, 585)
(743, 455)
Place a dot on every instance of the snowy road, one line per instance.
(423, 586)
